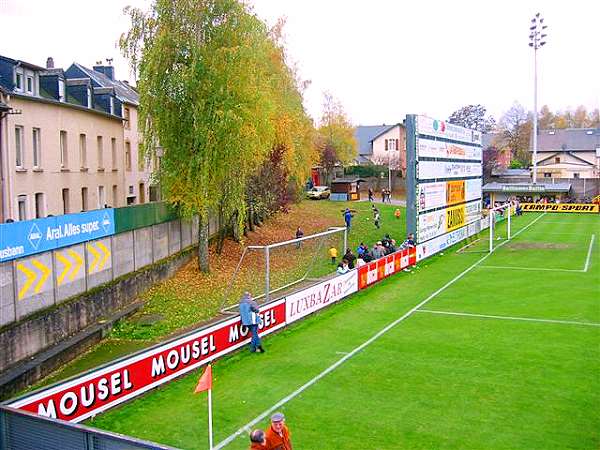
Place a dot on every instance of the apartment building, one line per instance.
(70, 142)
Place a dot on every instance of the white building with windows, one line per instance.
(67, 145)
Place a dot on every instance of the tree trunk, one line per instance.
(203, 246)
(222, 233)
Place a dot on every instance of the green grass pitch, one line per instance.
(504, 354)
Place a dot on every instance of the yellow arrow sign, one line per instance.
(105, 257)
(78, 263)
(30, 275)
(94, 262)
(45, 274)
(67, 266)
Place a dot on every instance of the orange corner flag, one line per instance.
(205, 381)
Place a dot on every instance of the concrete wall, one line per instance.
(28, 285)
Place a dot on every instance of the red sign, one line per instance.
(90, 394)
(384, 267)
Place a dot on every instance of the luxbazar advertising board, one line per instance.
(19, 239)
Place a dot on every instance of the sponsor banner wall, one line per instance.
(428, 170)
(29, 237)
(440, 128)
(377, 270)
(90, 394)
(439, 149)
(444, 193)
(320, 295)
(436, 223)
(562, 207)
(442, 242)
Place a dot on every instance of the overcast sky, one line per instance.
(381, 58)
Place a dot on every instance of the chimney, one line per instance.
(108, 70)
(50, 63)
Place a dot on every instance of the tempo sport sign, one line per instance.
(444, 179)
(561, 207)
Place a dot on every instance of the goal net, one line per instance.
(270, 271)
(499, 225)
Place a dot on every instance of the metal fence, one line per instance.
(21, 430)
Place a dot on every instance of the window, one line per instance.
(127, 115)
(30, 85)
(22, 207)
(142, 189)
(82, 151)
(19, 82)
(576, 175)
(547, 175)
(39, 205)
(127, 156)
(64, 151)
(154, 193)
(113, 152)
(89, 97)
(386, 145)
(557, 160)
(37, 148)
(115, 198)
(140, 163)
(61, 90)
(84, 199)
(19, 150)
(100, 153)
(66, 201)
(101, 197)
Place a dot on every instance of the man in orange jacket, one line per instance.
(278, 435)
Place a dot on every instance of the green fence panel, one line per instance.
(129, 218)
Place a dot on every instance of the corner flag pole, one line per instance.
(205, 384)
(210, 425)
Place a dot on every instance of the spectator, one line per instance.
(299, 234)
(377, 251)
(348, 217)
(370, 194)
(367, 255)
(410, 241)
(278, 435)
(333, 254)
(258, 440)
(251, 319)
(360, 262)
(397, 213)
(360, 249)
(342, 267)
(383, 195)
(350, 258)
(376, 217)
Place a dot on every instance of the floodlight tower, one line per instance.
(537, 39)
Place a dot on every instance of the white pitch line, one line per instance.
(339, 362)
(534, 269)
(524, 319)
(589, 254)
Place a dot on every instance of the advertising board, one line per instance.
(429, 170)
(19, 239)
(320, 295)
(442, 193)
(429, 148)
(431, 224)
(435, 223)
(376, 271)
(85, 396)
(562, 207)
(439, 128)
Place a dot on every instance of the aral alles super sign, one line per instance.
(21, 239)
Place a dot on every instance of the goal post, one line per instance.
(265, 270)
(496, 216)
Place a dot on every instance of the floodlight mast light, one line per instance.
(537, 39)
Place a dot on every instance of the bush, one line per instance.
(365, 171)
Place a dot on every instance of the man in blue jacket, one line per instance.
(251, 319)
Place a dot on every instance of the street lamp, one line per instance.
(537, 39)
